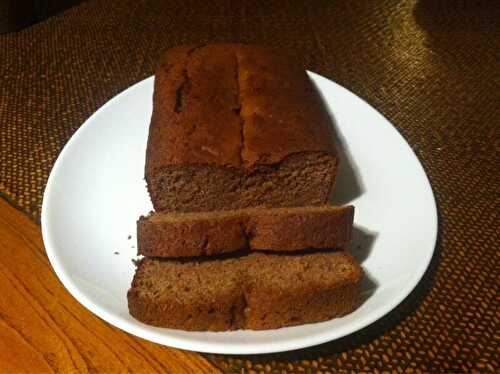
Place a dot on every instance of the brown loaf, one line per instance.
(255, 291)
(236, 126)
(276, 229)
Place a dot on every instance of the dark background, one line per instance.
(16, 14)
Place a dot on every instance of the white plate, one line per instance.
(96, 191)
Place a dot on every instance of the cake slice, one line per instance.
(251, 291)
(277, 229)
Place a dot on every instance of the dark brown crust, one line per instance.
(256, 229)
(255, 304)
(281, 112)
(233, 105)
(194, 103)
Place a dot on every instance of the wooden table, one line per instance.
(44, 329)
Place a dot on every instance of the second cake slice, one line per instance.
(277, 229)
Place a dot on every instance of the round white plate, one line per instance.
(96, 192)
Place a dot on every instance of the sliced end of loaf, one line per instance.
(299, 180)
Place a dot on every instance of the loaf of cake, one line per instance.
(240, 158)
(236, 126)
(274, 229)
(253, 291)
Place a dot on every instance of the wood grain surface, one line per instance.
(44, 329)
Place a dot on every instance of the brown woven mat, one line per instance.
(430, 66)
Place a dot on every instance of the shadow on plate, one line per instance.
(362, 242)
(348, 185)
(360, 247)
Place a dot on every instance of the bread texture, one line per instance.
(274, 229)
(236, 126)
(252, 291)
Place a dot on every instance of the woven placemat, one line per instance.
(430, 66)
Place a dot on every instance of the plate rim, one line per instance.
(218, 347)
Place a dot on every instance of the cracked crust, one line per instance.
(211, 233)
(256, 291)
(237, 109)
